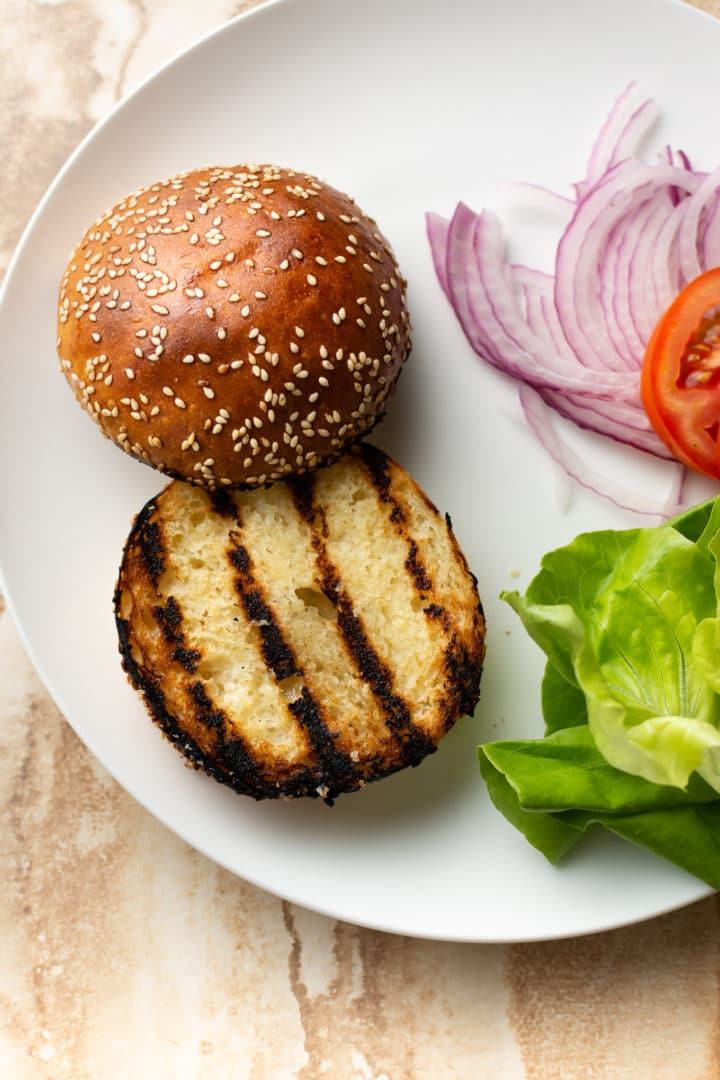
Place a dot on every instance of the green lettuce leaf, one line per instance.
(566, 771)
(630, 624)
(616, 614)
(555, 789)
(563, 702)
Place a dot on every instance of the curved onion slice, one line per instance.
(638, 232)
(541, 422)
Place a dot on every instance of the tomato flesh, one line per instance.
(680, 382)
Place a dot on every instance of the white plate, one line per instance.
(409, 106)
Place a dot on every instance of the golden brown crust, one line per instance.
(233, 326)
(335, 698)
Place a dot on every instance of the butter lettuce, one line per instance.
(630, 624)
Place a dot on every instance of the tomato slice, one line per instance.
(680, 382)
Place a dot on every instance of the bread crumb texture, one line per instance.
(305, 638)
(234, 326)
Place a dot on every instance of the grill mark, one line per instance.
(378, 677)
(169, 619)
(337, 770)
(378, 470)
(231, 763)
(376, 464)
(149, 539)
(223, 503)
(232, 752)
(418, 573)
(228, 752)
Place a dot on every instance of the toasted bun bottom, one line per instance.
(306, 638)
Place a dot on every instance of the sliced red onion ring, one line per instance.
(628, 121)
(541, 420)
(637, 233)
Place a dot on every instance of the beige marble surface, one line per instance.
(124, 953)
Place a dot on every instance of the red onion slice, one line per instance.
(541, 421)
(637, 233)
(628, 121)
(437, 230)
(623, 190)
(621, 422)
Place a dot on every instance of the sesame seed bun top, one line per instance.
(233, 326)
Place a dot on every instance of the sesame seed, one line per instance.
(204, 358)
(189, 359)
(95, 336)
(180, 403)
(130, 373)
(221, 333)
(139, 353)
(168, 391)
(262, 232)
(299, 332)
(297, 253)
(311, 279)
(245, 310)
(210, 312)
(260, 296)
(159, 309)
(207, 392)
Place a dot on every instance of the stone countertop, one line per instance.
(125, 953)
